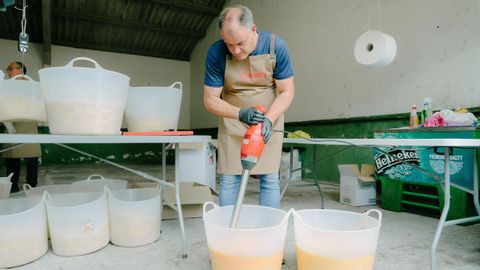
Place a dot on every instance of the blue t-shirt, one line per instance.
(217, 53)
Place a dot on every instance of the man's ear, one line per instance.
(254, 28)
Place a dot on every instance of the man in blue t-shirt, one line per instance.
(244, 69)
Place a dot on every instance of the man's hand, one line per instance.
(267, 129)
(251, 116)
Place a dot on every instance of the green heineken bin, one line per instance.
(424, 199)
(405, 188)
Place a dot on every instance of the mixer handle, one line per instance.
(207, 204)
(70, 64)
(23, 76)
(177, 83)
(376, 211)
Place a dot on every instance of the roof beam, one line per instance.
(98, 47)
(47, 32)
(188, 5)
(127, 23)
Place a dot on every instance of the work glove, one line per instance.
(267, 129)
(250, 116)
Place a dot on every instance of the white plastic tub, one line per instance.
(333, 239)
(23, 234)
(22, 100)
(84, 101)
(5, 186)
(257, 243)
(134, 216)
(78, 222)
(153, 108)
(97, 183)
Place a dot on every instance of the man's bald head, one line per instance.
(238, 31)
(236, 16)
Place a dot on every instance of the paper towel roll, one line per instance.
(375, 49)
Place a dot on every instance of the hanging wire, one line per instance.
(379, 6)
(23, 37)
(23, 23)
(369, 18)
(24, 17)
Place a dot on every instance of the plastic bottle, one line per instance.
(413, 117)
(427, 107)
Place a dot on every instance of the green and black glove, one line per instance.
(267, 129)
(251, 116)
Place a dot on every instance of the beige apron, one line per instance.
(248, 83)
(26, 151)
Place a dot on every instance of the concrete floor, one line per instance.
(404, 241)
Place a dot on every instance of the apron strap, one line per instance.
(272, 50)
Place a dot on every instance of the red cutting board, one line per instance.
(158, 133)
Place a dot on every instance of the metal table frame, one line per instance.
(447, 144)
(20, 139)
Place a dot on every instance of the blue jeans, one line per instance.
(269, 189)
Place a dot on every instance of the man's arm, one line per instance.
(286, 91)
(214, 104)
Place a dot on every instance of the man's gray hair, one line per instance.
(245, 18)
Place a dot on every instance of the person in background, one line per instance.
(30, 152)
(245, 68)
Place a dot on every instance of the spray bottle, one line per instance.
(427, 109)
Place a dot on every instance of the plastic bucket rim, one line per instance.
(154, 87)
(377, 227)
(285, 218)
(85, 68)
(94, 181)
(41, 201)
(133, 202)
(102, 194)
(34, 191)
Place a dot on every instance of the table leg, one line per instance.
(177, 198)
(164, 177)
(475, 182)
(290, 173)
(446, 207)
(322, 202)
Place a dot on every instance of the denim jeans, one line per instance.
(269, 189)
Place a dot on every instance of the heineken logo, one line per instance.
(395, 157)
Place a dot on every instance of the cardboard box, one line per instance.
(357, 187)
(198, 163)
(285, 166)
(192, 197)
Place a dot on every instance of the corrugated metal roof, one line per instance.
(158, 28)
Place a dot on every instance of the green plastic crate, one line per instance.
(425, 199)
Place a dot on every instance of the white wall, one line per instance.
(438, 55)
(143, 71)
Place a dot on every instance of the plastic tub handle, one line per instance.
(23, 76)
(287, 216)
(294, 213)
(207, 204)
(26, 187)
(95, 176)
(6, 179)
(378, 213)
(177, 83)
(70, 64)
(46, 196)
(107, 191)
